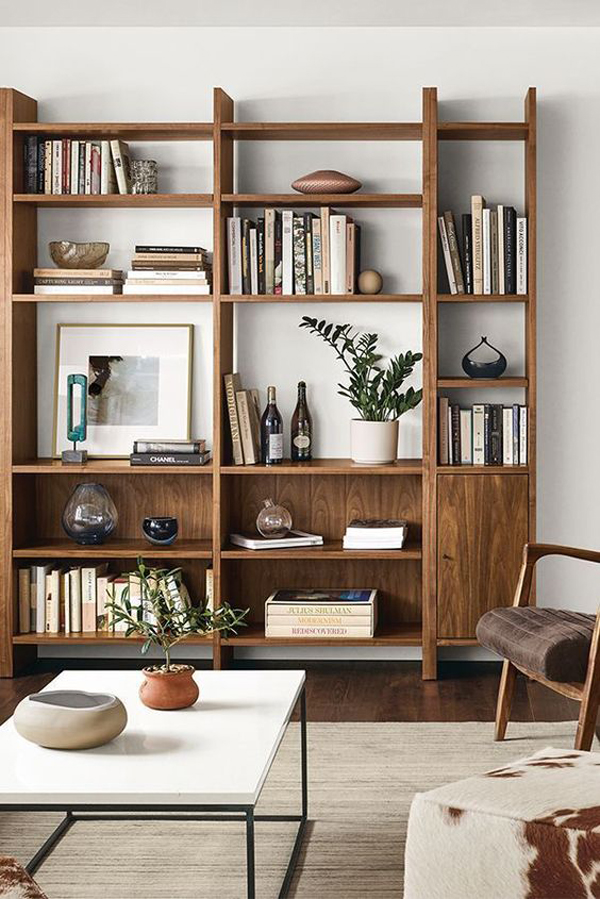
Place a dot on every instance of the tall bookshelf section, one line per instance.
(462, 556)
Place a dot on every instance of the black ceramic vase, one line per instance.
(491, 369)
(160, 531)
(90, 515)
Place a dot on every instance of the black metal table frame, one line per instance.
(194, 812)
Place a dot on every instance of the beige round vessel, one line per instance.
(70, 719)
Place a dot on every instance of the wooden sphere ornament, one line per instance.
(370, 282)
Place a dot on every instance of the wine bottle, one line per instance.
(301, 428)
(271, 431)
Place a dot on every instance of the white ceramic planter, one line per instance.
(373, 442)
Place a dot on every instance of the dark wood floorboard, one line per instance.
(371, 691)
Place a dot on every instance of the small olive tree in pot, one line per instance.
(373, 390)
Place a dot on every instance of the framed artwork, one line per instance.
(139, 384)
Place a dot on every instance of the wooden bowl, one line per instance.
(69, 254)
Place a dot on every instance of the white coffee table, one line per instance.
(209, 762)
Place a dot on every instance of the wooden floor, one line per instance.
(377, 691)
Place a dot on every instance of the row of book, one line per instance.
(289, 253)
(321, 614)
(491, 258)
(77, 281)
(243, 409)
(76, 600)
(169, 452)
(169, 269)
(485, 434)
(71, 166)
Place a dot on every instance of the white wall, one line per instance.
(365, 74)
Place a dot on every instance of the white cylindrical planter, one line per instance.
(373, 442)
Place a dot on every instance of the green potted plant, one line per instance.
(161, 611)
(373, 390)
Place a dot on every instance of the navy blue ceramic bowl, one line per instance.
(160, 531)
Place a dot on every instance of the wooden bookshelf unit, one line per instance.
(467, 525)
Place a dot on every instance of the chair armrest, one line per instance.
(535, 551)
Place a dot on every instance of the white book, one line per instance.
(305, 619)
(348, 543)
(234, 254)
(269, 250)
(501, 279)
(108, 178)
(477, 206)
(325, 254)
(66, 599)
(376, 533)
(317, 255)
(451, 459)
(57, 166)
(521, 255)
(359, 610)
(80, 290)
(337, 253)
(486, 238)
(507, 436)
(89, 577)
(24, 600)
(39, 573)
(466, 437)
(253, 261)
(478, 434)
(53, 599)
(75, 596)
(523, 435)
(87, 167)
(294, 540)
(159, 275)
(446, 254)
(315, 632)
(74, 186)
(177, 289)
(287, 251)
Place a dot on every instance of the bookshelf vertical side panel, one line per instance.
(430, 178)
(531, 318)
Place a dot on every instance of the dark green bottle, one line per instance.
(302, 429)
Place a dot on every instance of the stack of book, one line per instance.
(70, 166)
(77, 280)
(375, 533)
(243, 409)
(485, 434)
(177, 270)
(292, 540)
(321, 614)
(169, 452)
(288, 253)
(492, 256)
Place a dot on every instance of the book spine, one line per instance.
(467, 234)
(501, 280)
(350, 257)
(53, 602)
(466, 437)
(40, 604)
(446, 254)
(495, 287)
(65, 602)
(521, 275)
(443, 430)
(299, 250)
(232, 385)
(76, 612)
(317, 620)
(48, 155)
(24, 600)
(66, 166)
(30, 165)
(510, 223)
(269, 250)
(325, 254)
(88, 167)
(234, 255)
(56, 166)
(477, 204)
(243, 410)
(507, 436)
(105, 163)
(278, 256)
(169, 458)
(487, 256)
(96, 169)
(523, 431)
(456, 443)
(81, 172)
(478, 435)
(352, 610)
(260, 249)
(337, 253)
(451, 459)
(245, 244)
(88, 600)
(487, 426)
(167, 446)
(515, 429)
(317, 257)
(323, 632)
(287, 252)
(41, 164)
(120, 154)
(454, 253)
(74, 185)
(253, 246)
(496, 435)
(310, 265)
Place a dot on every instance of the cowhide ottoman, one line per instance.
(527, 831)
(15, 882)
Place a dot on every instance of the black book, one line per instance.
(456, 447)
(41, 160)
(487, 411)
(357, 249)
(246, 288)
(30, 164)
(278, 259)
(308, 253)
(495, 435)
(510, 249)
(467, 236)
(260, 243)
(167, 459)
(145, 249)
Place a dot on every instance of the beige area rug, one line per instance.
(362, 780)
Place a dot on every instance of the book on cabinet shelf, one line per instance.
(375, 533)
(494, 250)
(292, 540)
(243, 412)
(321, 614)
(175, 270)
(77, 281)
(483, 434)
(68, 165)
(166, 452)
(287, 253)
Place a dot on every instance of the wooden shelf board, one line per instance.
(458, 641)
(87, 638)
(482, 298)
(326, 467)
(481, 382)
(105, 466)
(483, 131)
(323, 130)
(324, 298)
(483, 469)
(131, 131)
(109, 298)
(408, 634)
(332, 549)
(340, 201)
(114, 549)
(163, 201)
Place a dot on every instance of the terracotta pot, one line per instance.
(176, 689)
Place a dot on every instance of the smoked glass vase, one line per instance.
(90, 515)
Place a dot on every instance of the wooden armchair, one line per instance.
(558, 648)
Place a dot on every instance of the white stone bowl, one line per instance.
(70, 719)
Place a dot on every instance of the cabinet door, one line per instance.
(482, 526)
